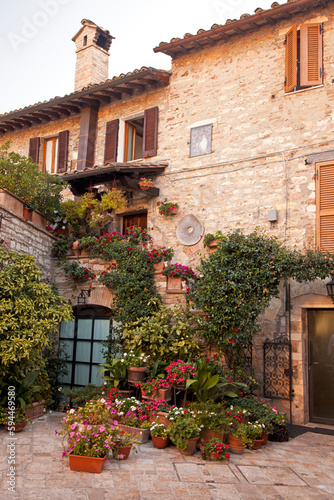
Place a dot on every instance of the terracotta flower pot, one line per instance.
(159, 442)
(122, 452)
(136, 373)
(256, 444)
(86, 464)
(19, 427)
(264, 436)
(191, 447)
(236, 445)
(159, 266)
(165, 394)
(35, 410)
(141, 435)
(27, 213)
(174, 283)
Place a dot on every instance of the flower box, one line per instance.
(35, 410)
(174, 283)
(86, 464)
(142, 435)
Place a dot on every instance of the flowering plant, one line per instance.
(254, 430)
(135, 359)
(123, 406)
(185, 426)
(159, 430)
(242, 431)
(145, 183)
(211, 415)
(134, 419)
(152, 386)
(177, 270)
(160, 254)
(90, 442)
(93, 413)
(179, 371)
(77, 272)
(10, 418)
(153, 407)
(137, 235)
(215, 447)
(168, 208)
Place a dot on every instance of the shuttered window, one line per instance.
(34, 149)
(110, 150)
(150, 143)
(325, 206)
(303, 57)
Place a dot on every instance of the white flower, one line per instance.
(102, 400)
(72, 410)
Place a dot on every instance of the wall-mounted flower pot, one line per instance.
(174, 283)
(27, 213)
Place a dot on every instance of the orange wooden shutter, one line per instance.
(110, 148)
(62, 151)
(325, 206)
(311, 69)
(34, 149)
(150, 142)
(291, 59)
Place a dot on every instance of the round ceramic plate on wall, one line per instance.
(189, 230)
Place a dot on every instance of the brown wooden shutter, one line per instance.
(62, 151)
(150, 139)
(110, 149)
(291, 59)
(325, 206)
(311, 69)
(34, 149)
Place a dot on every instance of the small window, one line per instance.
(85, 40)
(50, 155)
(133, 144)
(200, 140)
(138, 220)
(303, 57)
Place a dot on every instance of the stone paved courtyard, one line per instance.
(302, 468)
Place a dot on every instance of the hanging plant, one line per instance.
(145, 183)
(168, 208)
(114, 198)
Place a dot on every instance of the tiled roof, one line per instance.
(114, 89)
(246, 23)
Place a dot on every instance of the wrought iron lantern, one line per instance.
(330, 288)
(82, 297)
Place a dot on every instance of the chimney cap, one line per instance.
(98, 29)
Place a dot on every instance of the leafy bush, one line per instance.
(169, 333)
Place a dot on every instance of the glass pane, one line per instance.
(66, 379)
(97, 379)
(66, 348)
(85, 328)
(321, 358)
(83, 351)
(48, 155)
(101, 329)
(97, 353)
(130, 144)
(55, 156)
(67, 329)
(81, 374)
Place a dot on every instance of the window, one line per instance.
(140, 138)
(303, 57)
(50, 155)
(133, 142)
(55, 153)
(138, 219)
(325, 206)
(200, 140)
(81, 341)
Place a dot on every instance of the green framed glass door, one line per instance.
(321, 365)
(81, 341)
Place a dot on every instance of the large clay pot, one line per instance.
(122, 452)
(159, 442)
(86, 464)
(136, 373)
(256, 444)
(191, 447)
(236, 445)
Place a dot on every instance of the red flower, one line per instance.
(236, 330)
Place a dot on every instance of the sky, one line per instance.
(37, 54)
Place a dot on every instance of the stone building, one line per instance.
(240, 134)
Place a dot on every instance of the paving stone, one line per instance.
(270, 475)
(190, 472)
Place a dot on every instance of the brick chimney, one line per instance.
(93, 45)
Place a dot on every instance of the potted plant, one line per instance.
(238, 438)
(78, 273)
(157, 256)
(158, 411)
(212, 417)
(184, 431)
(116, 372)
(113, 199)
(159, 435)
(175, 273)
(145, 183)
(88, 448)
(215, 450)
(14, 420)
(124, 443)
(135, 424)
(254, 433)
(178, 372)
(136, 362)
(168, 208)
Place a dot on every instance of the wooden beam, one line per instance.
(103, 98)
(53, 114)
(133, 185)
(90, 101)
(67, 109)
(34, 119)
(7, 126)
(41, 115)
(24, 121)
(124, 90)
(136, 86)
(16, 124)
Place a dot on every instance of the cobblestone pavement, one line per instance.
(302, 468)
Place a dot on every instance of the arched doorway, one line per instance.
(81, 340)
